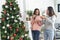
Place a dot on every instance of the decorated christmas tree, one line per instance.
(12, 28)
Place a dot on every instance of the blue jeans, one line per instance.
(35, 34)
(48, 34)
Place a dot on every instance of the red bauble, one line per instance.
(10, 27)
(11, 38)
(21, 39)
(4, 11)
(17, 29)
(11, 4)
(14, 35)
(3, 19)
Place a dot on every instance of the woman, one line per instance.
(36, 24)
(49, 22)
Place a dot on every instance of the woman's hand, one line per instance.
(34, 16)
(43, 17)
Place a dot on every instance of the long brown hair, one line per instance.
(35, 11)
(51, 11)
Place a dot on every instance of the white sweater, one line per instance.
(49, 23)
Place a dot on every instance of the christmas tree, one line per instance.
(12, 28)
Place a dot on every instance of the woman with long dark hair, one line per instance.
(36, 24)
(49, 22)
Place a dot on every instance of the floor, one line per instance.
(0, 35)
(40, 37)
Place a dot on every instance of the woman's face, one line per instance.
(37, 12)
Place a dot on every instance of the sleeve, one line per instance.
(43, 21)
(51, 20)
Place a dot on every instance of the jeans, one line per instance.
(35, 34)
(48, 34)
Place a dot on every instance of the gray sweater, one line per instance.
(49, 23)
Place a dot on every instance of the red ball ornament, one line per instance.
(3, 19)
(10, 27)
(21, 39)
(11, 38)
(11, 4)
(17, 29)
(14, 35)
(5, 12)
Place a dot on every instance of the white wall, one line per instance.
(1, 2)
(41, 4)
(58, 13)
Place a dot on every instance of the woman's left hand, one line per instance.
(43, 17)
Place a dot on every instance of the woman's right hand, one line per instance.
(43, 17)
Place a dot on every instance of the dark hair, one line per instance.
(51, 11)
(35, 11)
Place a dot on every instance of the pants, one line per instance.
(48, 34)
(35, 34)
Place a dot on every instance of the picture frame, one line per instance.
(58, 7)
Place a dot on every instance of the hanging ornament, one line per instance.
(11, 4)
(3, 27)
(7, 18)
(20, 23)
(12, 17)
(6, 6)
(15, 21)
(8, 25)
(10, 8)
(17, 29)
(5, 12)
(11, 38)
(3, 19)
(20, 19)
(17, 15)
(26, 34)
(5, 31)
(7, 37)
(21, 38)
(14, 8)
(14, 35)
